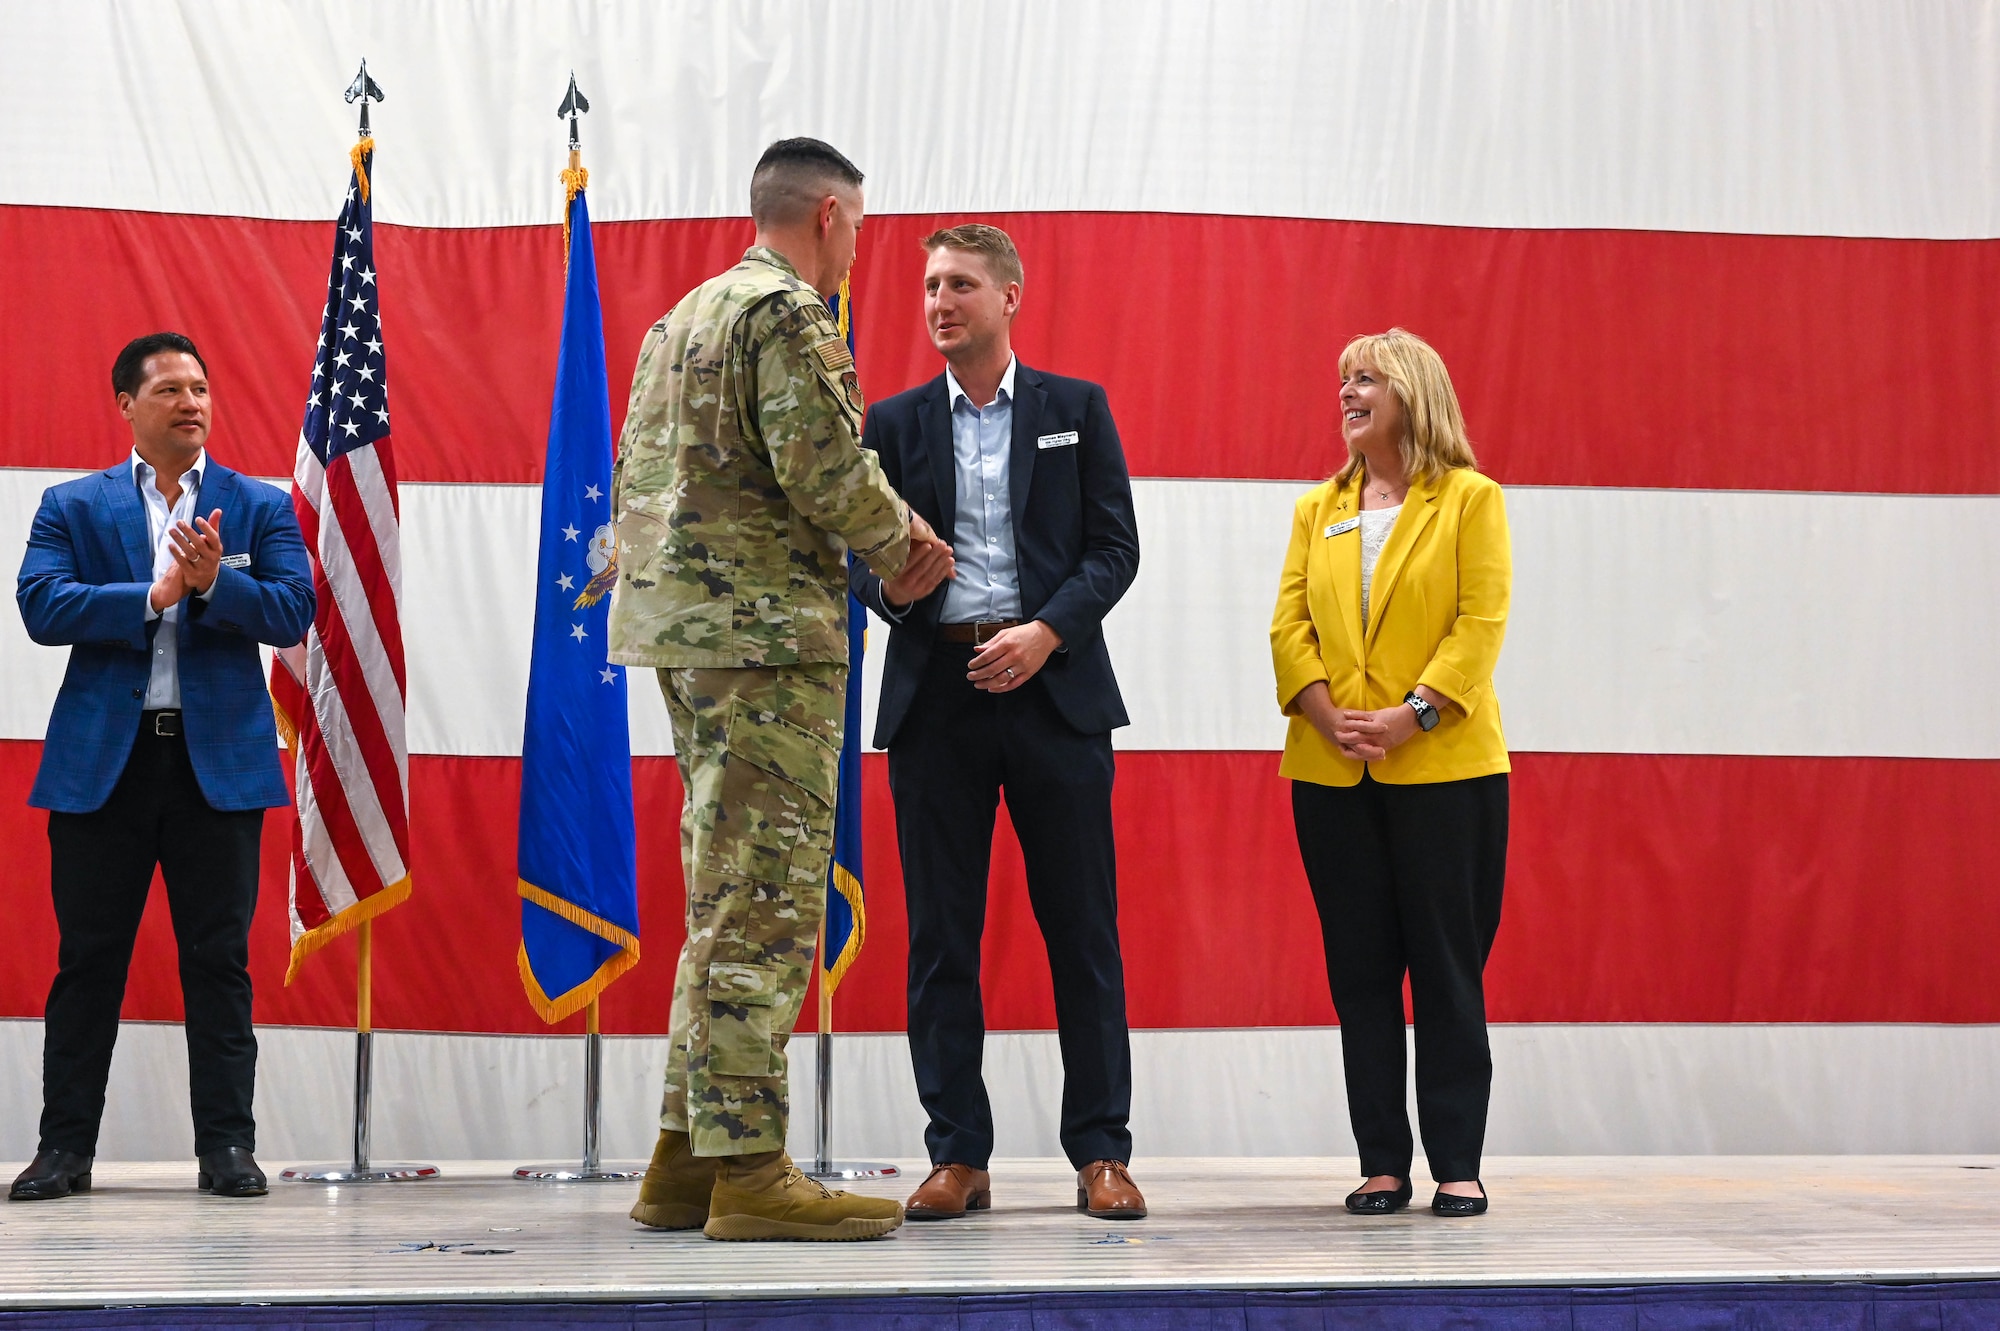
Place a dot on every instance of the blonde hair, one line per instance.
(1434, 441)
(994, 246)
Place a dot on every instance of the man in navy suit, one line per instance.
(161, 751)
(997, 679)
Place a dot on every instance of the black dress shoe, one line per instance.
(1448, 1204)
(53, 1174)
(1385, 1201)
(231, 1172)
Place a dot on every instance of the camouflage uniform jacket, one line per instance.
(742, 481)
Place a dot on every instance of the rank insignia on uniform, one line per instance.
(833, 354)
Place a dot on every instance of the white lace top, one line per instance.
(1376, 523)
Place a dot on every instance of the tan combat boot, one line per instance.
(766, 1197)
(674, 1193)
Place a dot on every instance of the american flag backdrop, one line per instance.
(340, 694)
(1700, 271)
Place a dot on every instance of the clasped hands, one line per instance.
(1005, 661)
(197, 553)
(1363, 736)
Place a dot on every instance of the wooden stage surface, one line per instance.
(146, 1237)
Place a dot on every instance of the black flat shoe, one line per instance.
(53, 1174)
(1446, 1204)
(1385, 1201)
(231, 1172)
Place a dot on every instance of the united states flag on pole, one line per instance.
(340, 694)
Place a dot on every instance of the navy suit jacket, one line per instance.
(1076, 544)
(84, 584)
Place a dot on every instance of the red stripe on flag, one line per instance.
(1641, 888)
(351, 686)
(1625, 358)
(351, 511)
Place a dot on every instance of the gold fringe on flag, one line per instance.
(575, 179)
(576, 1000)
(359, 155)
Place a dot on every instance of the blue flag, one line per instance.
(579, 876)
(846, 918)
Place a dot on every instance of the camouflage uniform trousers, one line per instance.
(759, 751)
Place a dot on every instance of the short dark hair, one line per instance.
(129, 370)
(794, 175)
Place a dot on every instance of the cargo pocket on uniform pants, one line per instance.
(775, 820)
(740, 1000)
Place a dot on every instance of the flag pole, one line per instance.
(823, 1066)
(592, 1169)
(360, 1169)
(364, 1041)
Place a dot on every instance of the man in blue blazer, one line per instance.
(161, 751)
(998, 679)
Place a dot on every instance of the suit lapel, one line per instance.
(1419, 507)
(1029, 399)
(934, 425)
(218, 490)
(128, 516)
(1344, 563)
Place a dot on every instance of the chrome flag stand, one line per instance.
(824, 1167)
(592, 1169)
(360, 1170)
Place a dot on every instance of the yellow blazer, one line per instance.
(1437, 610)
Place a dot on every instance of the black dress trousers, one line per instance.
(101, 871)
(954, 754)
(1408, 880)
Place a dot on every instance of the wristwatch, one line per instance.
(1427, 715)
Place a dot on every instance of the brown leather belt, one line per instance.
(976, 634)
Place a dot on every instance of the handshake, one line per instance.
(929, 567)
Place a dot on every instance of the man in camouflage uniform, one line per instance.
(742, 487)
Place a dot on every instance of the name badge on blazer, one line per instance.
(236, 561)
(1064, 440)
(1339, 527)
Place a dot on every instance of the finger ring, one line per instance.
(194, 559)
(1010, 672)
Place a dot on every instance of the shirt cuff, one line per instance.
(889, 612)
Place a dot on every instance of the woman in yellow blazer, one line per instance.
(1388, 625)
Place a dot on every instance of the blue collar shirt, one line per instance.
(163, 684)
(987, 585)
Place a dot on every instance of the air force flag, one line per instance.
(579, 879)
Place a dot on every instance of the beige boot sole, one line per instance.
(670, 1215)
(748, 1227)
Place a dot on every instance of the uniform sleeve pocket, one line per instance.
(775, 823)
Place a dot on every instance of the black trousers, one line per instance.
(958, 749)
(101, 871)
(1408, 881)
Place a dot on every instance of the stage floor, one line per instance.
(144, 1236)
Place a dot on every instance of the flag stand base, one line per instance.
(846, 1171)
(592, 1170)
(576, 1174)
(822, 1168)
(365, 1174)
(360, 1170)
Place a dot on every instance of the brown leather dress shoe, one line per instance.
(949, 1192)
(1105, 1190)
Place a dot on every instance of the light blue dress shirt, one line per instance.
(163, 685)
(988, 583)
